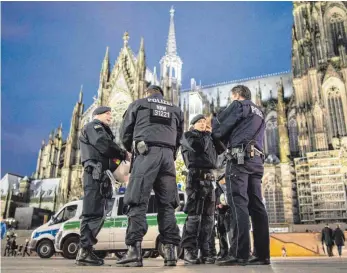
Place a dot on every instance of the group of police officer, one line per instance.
(152, 133)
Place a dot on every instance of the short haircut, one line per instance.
(243, 91)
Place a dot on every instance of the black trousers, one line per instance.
(155, 170)
(245, 199)
(93, 212)
(223, 225)
(200, 208)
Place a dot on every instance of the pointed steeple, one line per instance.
(106, 62)
(141, 68)
(107, 54)
(282, 125)
(60, 130)
(80, 98)
(154, 80)
(218, 99)
(142, 60)
(280, 92)
(258, 98)
(171, 48)
(126, 38)
(171, 66)
(212, 106)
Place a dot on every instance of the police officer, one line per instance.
(152, 129)
(241, 125)
(97, 150)
(200, 157)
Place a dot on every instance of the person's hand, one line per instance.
(209, 123)
(127, 156)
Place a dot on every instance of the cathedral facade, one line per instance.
(305, 109)
(118, 87)
(319, 64)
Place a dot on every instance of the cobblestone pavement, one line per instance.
(282, 265)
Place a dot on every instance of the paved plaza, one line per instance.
(283, 265)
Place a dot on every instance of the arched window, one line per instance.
(337, 117)
(338, 31)
(293, 135)
(272, 136)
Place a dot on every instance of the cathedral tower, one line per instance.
(72, 168)
(320, 73)
(171, 66)
(282, 125)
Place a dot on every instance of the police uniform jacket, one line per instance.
(97, 144)
(199, 150)
(239, 123)
(153, 120)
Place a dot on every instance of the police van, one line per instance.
(42, 238)
(111, 238)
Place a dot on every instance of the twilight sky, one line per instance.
(49, 49)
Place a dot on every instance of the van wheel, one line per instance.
(161, 251)
(45, 249)
(70, 247)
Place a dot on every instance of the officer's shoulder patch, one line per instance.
(98, 127)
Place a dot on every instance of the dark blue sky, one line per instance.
(49, 49)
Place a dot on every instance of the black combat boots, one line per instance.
(133, 257)
(254, 260)
(85, 256)
(190, 256)
(207, 259)
(170, 252)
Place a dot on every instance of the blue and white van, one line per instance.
(42, 238)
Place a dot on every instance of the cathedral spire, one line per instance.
(171, 48)
(80, 98)
(142, 58)
(282, 125)
(141, 68)
(107, 54)
(258, 98)
(126, 38)
(171, 66)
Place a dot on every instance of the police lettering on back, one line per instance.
(257, 112)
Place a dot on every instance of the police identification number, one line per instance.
(160, 114)
(161, 111)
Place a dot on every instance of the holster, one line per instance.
(96, 169)
(237, 153)
(106, 187)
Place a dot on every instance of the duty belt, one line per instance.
(141, 147)
(240, 153)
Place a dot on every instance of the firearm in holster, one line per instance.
(237, 153)
(97, 169)
(102, 177)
